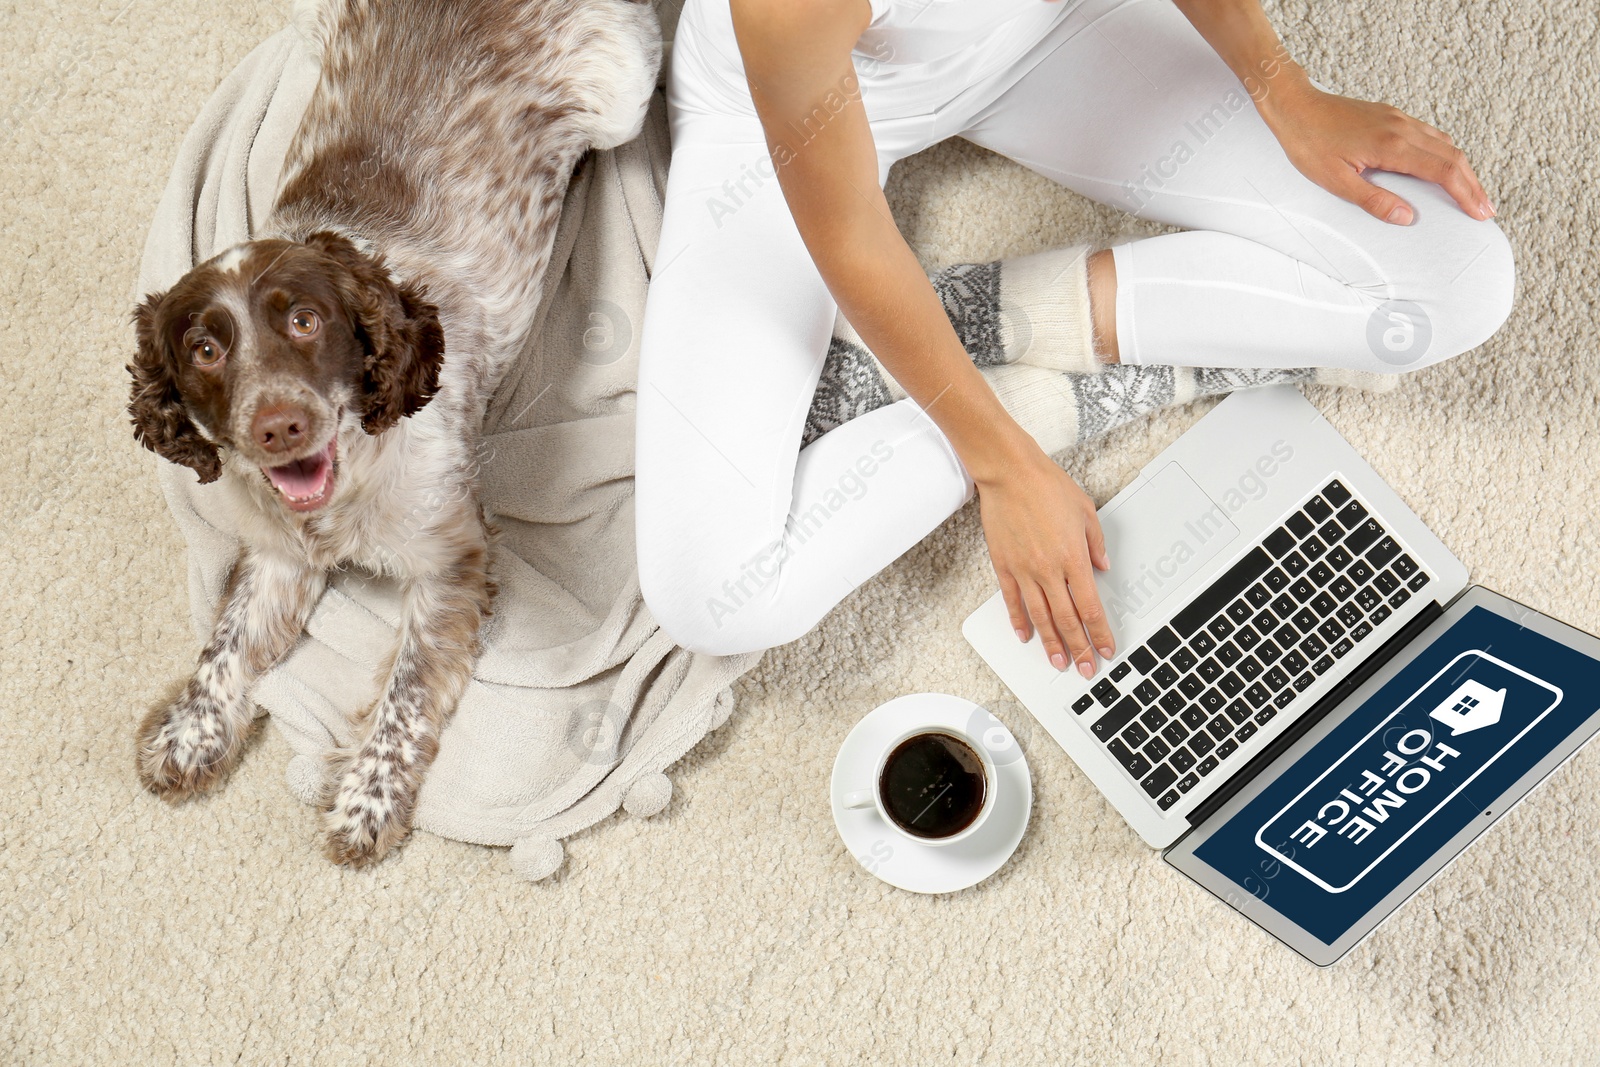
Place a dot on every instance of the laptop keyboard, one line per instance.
(1177, 707)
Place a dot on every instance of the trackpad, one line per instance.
(1156, 539)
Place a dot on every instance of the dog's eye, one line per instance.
(206, 353)
(304, 322)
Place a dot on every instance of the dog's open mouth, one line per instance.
(306, 483)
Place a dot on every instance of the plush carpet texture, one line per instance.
(734, 927)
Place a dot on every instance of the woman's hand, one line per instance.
(1044, 540)
(1333, 139)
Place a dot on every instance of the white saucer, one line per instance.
(931, 868)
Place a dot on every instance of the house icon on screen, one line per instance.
(1471, 707)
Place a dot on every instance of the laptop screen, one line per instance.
(1331, 836)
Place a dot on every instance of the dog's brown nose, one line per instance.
(279, 427)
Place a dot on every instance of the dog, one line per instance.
(330, 375)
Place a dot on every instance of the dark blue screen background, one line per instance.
(1232, 849)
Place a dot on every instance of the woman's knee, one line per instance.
(699, 608)
(1461, 292)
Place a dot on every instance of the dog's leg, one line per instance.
(372, 787)
(185, 745)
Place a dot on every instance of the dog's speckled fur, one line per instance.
(418, 204)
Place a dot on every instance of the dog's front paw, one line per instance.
(368, 810)
(185, 745)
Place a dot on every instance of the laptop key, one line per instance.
(1339, 558)
(1352, 515)
(1105, 692)
(1286, 636)
(1157, 781)
(1330, 630)
(1265, 715)
(1332, 533)
(1383, 552)
(1182, 759)
(1157, 750)
(1191, 686)
(1153, 719)
(1246, 639)
(1284, 699)
(1276, 581)
(1206, 766)
(1299, 524)
(1147, 692)
(1134, 736)
(1163, 641)
(1350, 615)
(1202, 642)
(1174, 702)
(1188, 782)
(1359, 572)
(1267, 652)
(1258, 595)
(1266, 622)
(1111, 723)
(1239, 711)
(1360, 632)
(1343, 647)
(1201, 743)
(1220, 627)
(1322, 665)
(1249, 668)
(1275, 679)
(1278, 542)
(1231, 684)
(1143, 659)
(1120, 671)
(1169, 798)
(1363, 536)
(1220, 728)
(1294, 662)
(1194, 716)
(1386, 583)
(1174, 733)
(1405, 566)
(1342, 589)
(1313, 646)
(1166, 676)
(1257, 695)
(1303, 590)
(1227, 748)
(1320, 573)
(1305, 620)
(1368, 599)
(1400, 597)
(1209, 669)
(1324, 604)
(1212, 700)
(1131, 761)
(1083, 703)
(1239, 611)
(1313, 548)
(1417, 581)
(1379, 615)
(1304, 682)
(1294, 563)
(1319, 509)
(1229, 653)
(1246, 732)
(1184, 660)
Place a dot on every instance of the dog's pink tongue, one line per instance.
(303, 477)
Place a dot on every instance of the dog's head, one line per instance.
(265, 347)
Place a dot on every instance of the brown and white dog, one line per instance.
(331, 375)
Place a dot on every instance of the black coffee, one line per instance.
(932, 785)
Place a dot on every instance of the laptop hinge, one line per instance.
(1330, 700)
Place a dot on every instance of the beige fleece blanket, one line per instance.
(579, 702)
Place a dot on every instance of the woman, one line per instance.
(1309, 218)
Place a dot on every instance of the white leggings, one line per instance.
(745, 540)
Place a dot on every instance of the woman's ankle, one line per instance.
(1103, 305)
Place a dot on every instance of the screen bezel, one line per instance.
(1182, 853)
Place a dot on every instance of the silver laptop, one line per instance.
(1291, 636)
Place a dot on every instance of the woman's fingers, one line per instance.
(1375, 200)
(1090, 613)
(1448, 166)
(1097, 541)
(1039, 611)
(1065, 613)
(1014, 604)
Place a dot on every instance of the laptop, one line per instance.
(1310, 709)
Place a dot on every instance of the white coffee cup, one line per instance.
(872, 797)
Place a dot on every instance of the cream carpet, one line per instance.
(733, 927)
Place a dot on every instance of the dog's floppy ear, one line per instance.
(159, 420)
(398, 328)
